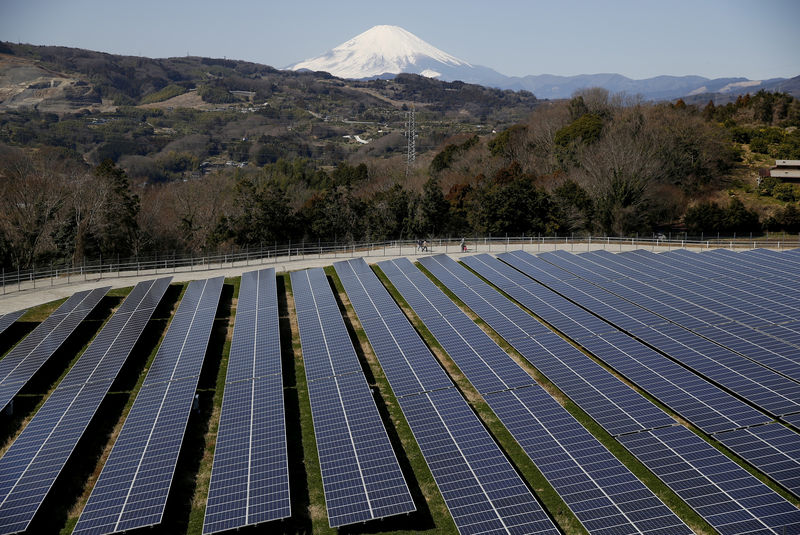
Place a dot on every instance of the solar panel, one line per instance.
(6, 320)
(604, 495)
(133, 486)
(27, 357)
(700, 402)
(762, 387)
(614, 405)
(727, 496)
(601, 492)
(361, 477)
(793, 419)
(480, 487)
(33, 462)
(408, 364)
(250, 476)
(773, 449)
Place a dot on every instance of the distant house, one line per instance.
(786, 170)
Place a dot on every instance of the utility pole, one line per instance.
(411, 135)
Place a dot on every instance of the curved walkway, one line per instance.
(25, 295)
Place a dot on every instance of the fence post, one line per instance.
(4, 280)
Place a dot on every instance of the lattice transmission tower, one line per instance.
(411, 136)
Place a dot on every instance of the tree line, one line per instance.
(595, 164)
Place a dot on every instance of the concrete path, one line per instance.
(28, 294)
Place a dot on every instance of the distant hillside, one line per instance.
(218, 112)
(28, 73)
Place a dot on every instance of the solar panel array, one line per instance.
(6, 320)
(764, 388)
(480, 487)
(250, 476)
(610, 402)
(754, 507)
(704, 404)
(735, 336)
(714, 485)
(33, 462)
(133, 486)
(361, 477)
(604, 495)
(27, 357)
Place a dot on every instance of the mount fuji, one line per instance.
(383, 51)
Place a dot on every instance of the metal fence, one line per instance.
(53, 275)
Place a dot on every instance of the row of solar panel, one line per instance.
(603, 494)
(562, 362)
(777, 461)
(361, 476)
(503, 392)
(34, 460)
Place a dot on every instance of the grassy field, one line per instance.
(186, 504)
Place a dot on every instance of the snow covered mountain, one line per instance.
(386, 50)
(383, 51)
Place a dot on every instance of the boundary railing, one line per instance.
(17, 280)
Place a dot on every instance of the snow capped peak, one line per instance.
(379, 50)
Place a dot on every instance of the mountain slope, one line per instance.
(388, 50)
(385, 51)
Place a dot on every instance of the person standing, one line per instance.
(463, 245)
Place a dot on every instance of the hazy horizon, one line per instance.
(713, 38)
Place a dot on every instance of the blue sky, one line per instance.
(757, 39)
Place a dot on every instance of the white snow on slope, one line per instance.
(381, 49)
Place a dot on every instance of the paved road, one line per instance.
(26, 295)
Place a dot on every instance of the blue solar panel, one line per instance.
(593, 483)
(604, 495)
(723, 493)
(30, 466)
(480, 487)
(706, 406)
(27, 357)
(406, 360)
(700, 402)
(773, 449)
(361, 477)
(539, 299)
(133, 486)
(6, 320)
(614, 405)
(250, 477)
(762, 387)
